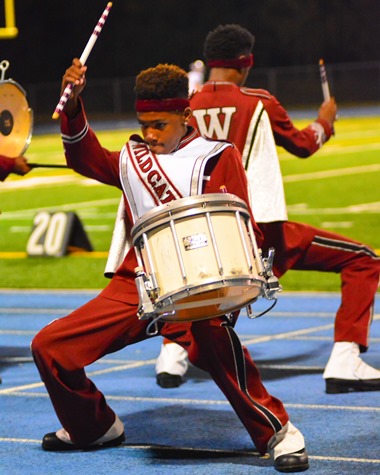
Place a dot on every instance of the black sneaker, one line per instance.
(293, 462)
(52, 443)
(167, 380)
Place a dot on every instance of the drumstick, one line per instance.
(46, 165)
(325, 84)
(83, 59)
(324, 81)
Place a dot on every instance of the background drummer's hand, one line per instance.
(21, 166)
(328, 111)
(75, 75)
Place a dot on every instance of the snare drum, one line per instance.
(199, 258)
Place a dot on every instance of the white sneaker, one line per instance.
(60, 441)
(346, 371)
(113, 432)
(289, 452)
(172, 359)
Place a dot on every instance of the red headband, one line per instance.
(236, 63)
(161, 105)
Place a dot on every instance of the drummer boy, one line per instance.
(181, 163)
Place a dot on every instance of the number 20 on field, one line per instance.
(49, 234)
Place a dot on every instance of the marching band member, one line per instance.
(255, 122)
(196, 76)
(150, 171)
(17, 165)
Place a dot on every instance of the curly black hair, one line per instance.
(165, 81)
(228, 42)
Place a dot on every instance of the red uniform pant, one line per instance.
(299, 246)
(63, 348)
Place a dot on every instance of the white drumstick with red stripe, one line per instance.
(324, 81)
(83, 59)
(325, 85)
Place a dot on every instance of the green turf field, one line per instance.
(337, 189)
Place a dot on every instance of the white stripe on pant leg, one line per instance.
(242, 381)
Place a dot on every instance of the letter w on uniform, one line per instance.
(217, 128)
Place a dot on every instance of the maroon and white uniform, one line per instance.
(109, 322)
(6, 167)
(256, 122)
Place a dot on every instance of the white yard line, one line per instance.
(27, 213)
(334, 150)
(88, 207)
(20, 392)
(33, 182)
(238, 453)
(338, 172)
(302, 208)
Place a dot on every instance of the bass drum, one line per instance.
(16, 119)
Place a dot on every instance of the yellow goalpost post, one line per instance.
(9, 30)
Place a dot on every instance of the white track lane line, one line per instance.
(238, 453)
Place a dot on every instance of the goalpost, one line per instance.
(9, 30)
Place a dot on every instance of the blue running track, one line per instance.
(191, 429)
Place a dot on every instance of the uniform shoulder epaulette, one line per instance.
(219, 140)
(256, 92)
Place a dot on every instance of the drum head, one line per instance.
(16, 119)
(189, 206)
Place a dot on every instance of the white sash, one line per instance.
(260, 159)
(149, 180)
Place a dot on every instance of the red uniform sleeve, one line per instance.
(6, 167)
(299, 142)
(229, 172)
(84, 153)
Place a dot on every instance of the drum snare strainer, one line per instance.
(198, 259)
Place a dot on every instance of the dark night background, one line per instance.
(290, 35)
(142, 33)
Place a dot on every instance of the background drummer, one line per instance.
(299, 246)
(155, 169)
(17, 165)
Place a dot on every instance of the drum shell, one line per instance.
(215, 272)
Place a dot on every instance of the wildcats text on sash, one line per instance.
(151, 174)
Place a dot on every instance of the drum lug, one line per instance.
(272, 285)
(146, 307)
(268, 262)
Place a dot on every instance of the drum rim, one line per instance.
(161, 306)
(212, 284)
(28, 139)
(162, 214)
